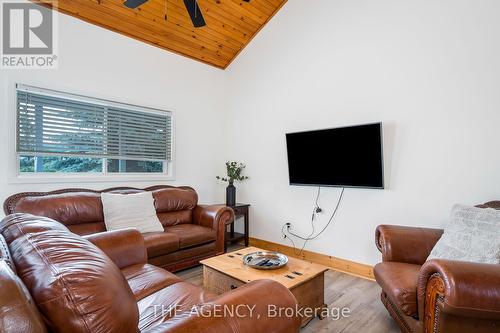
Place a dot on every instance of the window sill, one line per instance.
(72, 178)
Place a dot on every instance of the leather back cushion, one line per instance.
(67, 208)
(17, 225)
(82, 212)
(174, 199)
(175, 205)
(75, 285)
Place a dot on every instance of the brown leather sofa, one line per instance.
(192, 232)
(52, 280)
(436, 295)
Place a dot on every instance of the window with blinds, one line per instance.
(58, 132)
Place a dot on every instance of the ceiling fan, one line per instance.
(191, 6)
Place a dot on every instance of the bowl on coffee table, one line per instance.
(265, 260)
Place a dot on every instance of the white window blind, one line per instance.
(52, 123)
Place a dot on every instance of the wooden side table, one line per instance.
(240, 210)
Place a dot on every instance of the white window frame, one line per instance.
(16, 177)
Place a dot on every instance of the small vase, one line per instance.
(230, 195)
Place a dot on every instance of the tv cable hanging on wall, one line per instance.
(317, 209)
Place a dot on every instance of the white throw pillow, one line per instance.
(130, 211)
(471, 234)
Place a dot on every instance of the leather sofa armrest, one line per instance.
(254, 305)
(406, 244)
(18, 311)
(212, 216)
(125, 247)
(215, 217)
(459, 288)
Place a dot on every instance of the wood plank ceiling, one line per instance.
(230, 24)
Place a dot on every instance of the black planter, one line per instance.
(230, 195)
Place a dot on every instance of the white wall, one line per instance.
(428, 69)
(99, 63)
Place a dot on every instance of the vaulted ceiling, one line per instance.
(230, 24)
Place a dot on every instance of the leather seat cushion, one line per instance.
(174, 261)
(146, 279)
(84, 229)
(399, 282)
(191, 234)
(160, 243)
(170, 302)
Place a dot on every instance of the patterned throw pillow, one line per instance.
(471, 234)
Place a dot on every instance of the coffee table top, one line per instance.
(293, 274)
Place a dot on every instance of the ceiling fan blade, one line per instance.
(134, 3)
(195, 13)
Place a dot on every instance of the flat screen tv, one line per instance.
(344, 157)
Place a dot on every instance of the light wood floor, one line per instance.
(361, 296)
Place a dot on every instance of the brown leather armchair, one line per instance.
(52, 280)
(436, 295)
(192, 232)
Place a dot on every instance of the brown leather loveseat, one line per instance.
(192, 232)
(438, 295)
(52, 280)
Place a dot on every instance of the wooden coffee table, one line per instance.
(304, 279)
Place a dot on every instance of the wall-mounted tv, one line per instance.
(344, 157)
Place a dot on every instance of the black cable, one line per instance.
(310, 237)
(329, 221)
(287, 224)
(315, 211)
(317, 196)
(333, 214)
(284, 235)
